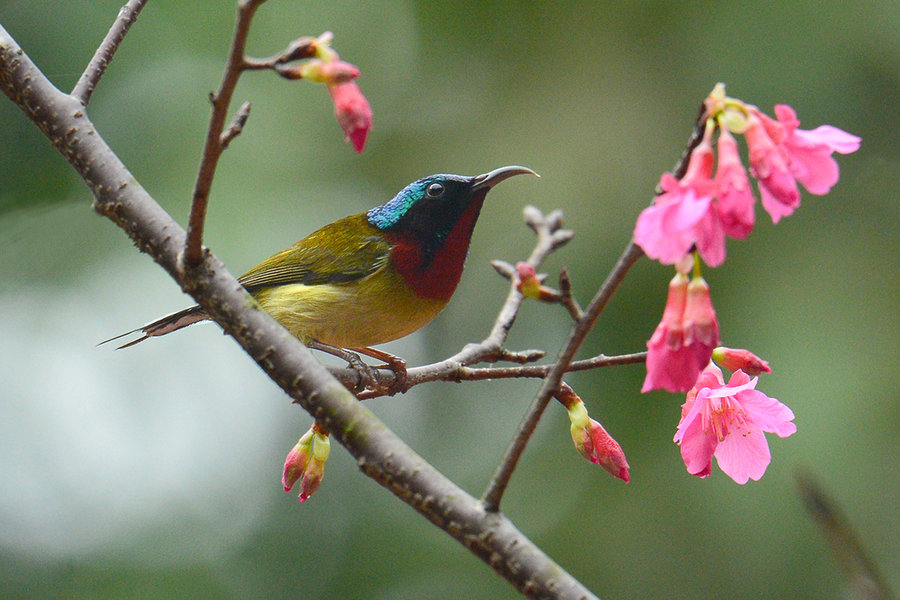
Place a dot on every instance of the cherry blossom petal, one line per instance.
(768, 413)
(743, 455)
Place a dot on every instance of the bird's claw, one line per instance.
(393, 363)
(398, 366)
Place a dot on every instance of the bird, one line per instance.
(368, 278)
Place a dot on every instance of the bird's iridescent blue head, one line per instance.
(432, 205)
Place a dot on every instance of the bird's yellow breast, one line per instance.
(368, 311)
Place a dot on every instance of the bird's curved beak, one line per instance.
(490, 179)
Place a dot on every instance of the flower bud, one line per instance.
(527, 281)
(306, 462)
(315, 470)
(591, 439)
(352, 111)
(735, 359)
(296, 461)
(334, 72)
(608, 453)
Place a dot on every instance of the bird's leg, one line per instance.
(366, 372)
(392, 362)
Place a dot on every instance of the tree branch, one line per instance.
(221, 100)
(128, 14)
(379, 453)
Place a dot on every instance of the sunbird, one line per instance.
(369, 278)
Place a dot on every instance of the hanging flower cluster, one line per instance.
(703, 207)
(690, 220)
(684, 340)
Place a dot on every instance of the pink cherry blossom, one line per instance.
(701, 327)
(769, 164)
(809, 151)
(781, 154)
(684, 340)
(728, 422)
(735, 198)
(684, 215)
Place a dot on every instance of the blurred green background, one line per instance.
(155, 472)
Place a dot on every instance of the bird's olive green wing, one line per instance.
(346, 250)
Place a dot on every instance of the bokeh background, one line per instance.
(155, 472)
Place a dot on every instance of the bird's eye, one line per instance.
(434, 190)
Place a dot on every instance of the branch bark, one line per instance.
(379, 453)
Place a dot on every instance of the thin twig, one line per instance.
(563, 296)
(304, 47)
(389, 384)
(494, 492)
(237, 125)
(221, 100)
(531, 371)
(566, 298)
(128, 14)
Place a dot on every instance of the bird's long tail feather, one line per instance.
(167, 324)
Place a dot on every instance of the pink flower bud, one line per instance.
(736, 359)
(334, 72)
(315, 469)
(312, 478)
(607, 452)
(352, 111)
(306, 462)
(592, 441)
(769, 165)
(296, 461)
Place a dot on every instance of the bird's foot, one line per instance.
(393, 363)
(368, 374)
